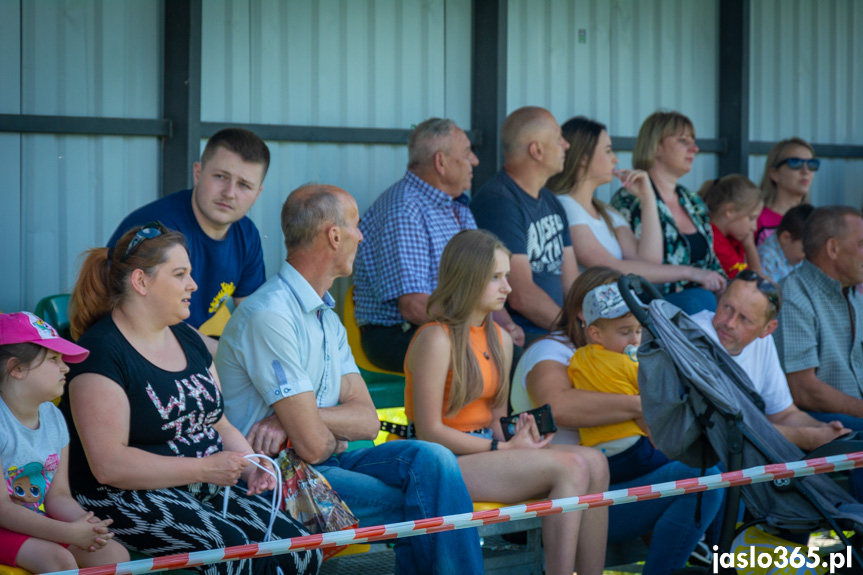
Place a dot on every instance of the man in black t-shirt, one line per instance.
(528, 218)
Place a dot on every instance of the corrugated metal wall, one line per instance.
(357, 63)
(602, 60)
(807, 81)
(93, 58)
(387, 64)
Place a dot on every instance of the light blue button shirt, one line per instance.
(282, 340)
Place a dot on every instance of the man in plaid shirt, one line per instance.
(405, 232)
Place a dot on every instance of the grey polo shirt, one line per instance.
(821, 326)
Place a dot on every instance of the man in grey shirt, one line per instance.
(820, 333)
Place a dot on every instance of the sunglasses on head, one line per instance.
(149, 230)
(797, 163)
(764, 286)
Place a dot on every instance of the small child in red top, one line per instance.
(734, 203)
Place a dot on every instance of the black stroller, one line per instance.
(701, 408)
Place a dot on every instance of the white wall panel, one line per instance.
(74, 192)
(807, 78)
(92, 58)
(10, 231)
(638, 56)
(10, 58)
(357, 63)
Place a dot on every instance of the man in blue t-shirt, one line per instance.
(224, 244)
(529, 219)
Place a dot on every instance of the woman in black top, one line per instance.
(147, 407)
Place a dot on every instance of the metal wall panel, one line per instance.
(91, 58)
(10, 57)
(74, 192)
(68, 193)
(352, 63)
(807, 78)
(636, 56)
(356, 63)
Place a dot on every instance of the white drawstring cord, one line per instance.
(277, 498)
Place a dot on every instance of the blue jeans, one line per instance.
(856, 478)
(405, 480)
(693, 300)
(671, 519)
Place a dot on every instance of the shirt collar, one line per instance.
(437, 196)
(821, 279)
(307, 297)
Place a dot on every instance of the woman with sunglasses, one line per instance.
(665, 149)
(788, 174)
(153, 450)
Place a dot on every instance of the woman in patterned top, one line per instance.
(665, 149)
(600, 235)
(147, 407)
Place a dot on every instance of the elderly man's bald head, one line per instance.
(524, 126)
(310, 207)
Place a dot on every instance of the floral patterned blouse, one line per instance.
(677, 250)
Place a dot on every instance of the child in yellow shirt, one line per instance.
(609, 364)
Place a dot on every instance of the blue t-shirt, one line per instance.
(535, 227)
(232, 267)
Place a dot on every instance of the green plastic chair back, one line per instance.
(55, 310)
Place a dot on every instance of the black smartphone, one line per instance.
(542, 416)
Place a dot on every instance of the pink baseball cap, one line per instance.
(24, 327)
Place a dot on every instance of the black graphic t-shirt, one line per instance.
(171, 413)
(536, 227)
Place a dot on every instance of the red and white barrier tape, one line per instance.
(476, 519)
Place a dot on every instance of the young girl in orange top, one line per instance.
(457, 374)
(734, 203)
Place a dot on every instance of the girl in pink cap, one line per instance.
(42, 528)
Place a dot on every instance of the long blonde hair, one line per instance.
(466, 267)
(779, 152)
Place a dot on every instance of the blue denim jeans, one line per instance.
(671, 519)
(405, 480)
(693, 300)
(856, 478)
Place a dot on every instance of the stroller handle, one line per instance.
(624, 284)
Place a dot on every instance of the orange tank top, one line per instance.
(477, 414)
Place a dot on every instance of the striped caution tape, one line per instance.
(478, 518)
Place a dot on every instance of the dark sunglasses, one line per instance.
(797, 163)
(149, 230)
(764, 286)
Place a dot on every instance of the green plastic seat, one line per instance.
(55, 310)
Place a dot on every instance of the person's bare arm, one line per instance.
(569, 269)
(549, 383)
(101, 412)
(412, 306)
(803, 430)
(211, 343)
(753, 260)
(650, 247)
(812, 394)
(504, 320)
(527, 298)
(354, 418)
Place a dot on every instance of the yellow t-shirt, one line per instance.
(594, 368)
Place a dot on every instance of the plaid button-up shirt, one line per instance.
(821, 326)
(404, 234)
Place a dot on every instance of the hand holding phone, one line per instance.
(541, 415)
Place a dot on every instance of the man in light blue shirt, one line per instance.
(287, 372)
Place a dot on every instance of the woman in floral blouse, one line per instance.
(666, 148)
